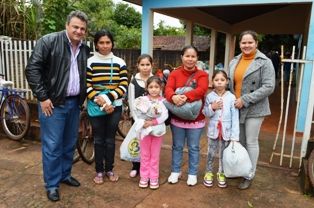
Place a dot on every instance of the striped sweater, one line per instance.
(109, 72)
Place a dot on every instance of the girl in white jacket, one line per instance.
(223, 124)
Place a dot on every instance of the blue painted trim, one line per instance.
(305, 90)
(146, 31)
(192, 3)
(304, 99)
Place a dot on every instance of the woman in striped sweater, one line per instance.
(105, 71)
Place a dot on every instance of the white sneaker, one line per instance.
(174, 177)
(192, 180)
(133, 173)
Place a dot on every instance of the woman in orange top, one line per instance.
(252, 80)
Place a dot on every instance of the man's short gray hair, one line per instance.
(79, 14)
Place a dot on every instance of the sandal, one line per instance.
(111, 176)
(99, 178)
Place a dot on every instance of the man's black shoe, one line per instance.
(71, 182)
(53, 195)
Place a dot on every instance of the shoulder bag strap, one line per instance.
(189, 79)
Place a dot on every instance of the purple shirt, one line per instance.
(74, 78)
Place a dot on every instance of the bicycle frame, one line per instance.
(6, 91)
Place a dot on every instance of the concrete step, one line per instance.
(34, 130)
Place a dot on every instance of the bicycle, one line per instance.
(14, 110)
(85, 141)
(311, 167)
(126, 120)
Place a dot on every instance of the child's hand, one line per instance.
(147, 124)
(218, 104)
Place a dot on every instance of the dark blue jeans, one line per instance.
(104, 132)
(58, 134)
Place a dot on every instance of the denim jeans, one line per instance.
(104, 131)
(179, 136)
(58, 134)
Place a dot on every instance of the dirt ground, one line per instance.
(21, 183)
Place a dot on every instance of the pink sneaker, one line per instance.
(143, 183)
(154, 183)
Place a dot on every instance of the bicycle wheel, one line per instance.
(125, 122)
(15, 117)
(85, 142)
(311, 167)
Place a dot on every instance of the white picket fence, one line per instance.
(13, 59)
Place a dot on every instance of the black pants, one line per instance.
(104, 132)
(136, 166)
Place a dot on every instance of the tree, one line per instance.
(127, 16)
(10, 18)
(128, 38)
(100, 14)
(163, 29)
(33, 20)
(201, 31)
(55, 14)
(104, 15)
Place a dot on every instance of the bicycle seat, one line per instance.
(5, 83)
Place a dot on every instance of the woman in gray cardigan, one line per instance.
(252, 80)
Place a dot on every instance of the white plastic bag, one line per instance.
(236, 161)
(130, 147)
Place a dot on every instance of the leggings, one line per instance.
(249, 132)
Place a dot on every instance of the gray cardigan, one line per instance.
(257, 84)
